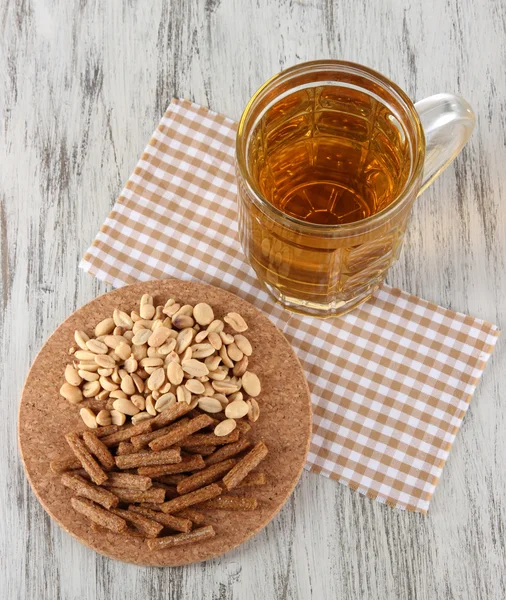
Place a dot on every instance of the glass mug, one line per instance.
(330, 157)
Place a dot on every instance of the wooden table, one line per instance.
(83, 86)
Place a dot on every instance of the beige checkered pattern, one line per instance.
(390, 382)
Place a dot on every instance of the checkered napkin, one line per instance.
(390, 382)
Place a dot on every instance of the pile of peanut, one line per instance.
(142, 363)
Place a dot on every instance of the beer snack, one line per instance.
(46, 417)
(160, 380)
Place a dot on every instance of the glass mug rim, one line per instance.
(343, 67)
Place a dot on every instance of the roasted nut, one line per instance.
(151, 361)
(236, 322)
(121, 319)
(243, 344)
(225, 427)
(141, 337)
(184, 339)
(183, 395)
(251, 384)
(234, 353)
(91, 389)
(114, 340)
(200, 337)
(217, 325)
(210, 404)
(236, 409)
(88, 375)
(138, 401)
(81, 337)
(126, 407)
(165, 401)
(71, 393)
(218, 374)
(72, 376)
(186, 310)
(225, 358)
(130, 365)
(254, 410)
(194, 367)
(84, 355)
(226, 338)
(195, 386)
(156, 379)
(212, 362)
(147, 310)
(215, 340)
(104, 418)
(202, 350)
(175, 373)
(139, 352)
(105, 361)
(182, 322)
(117, 417)
(150, 406)
(123, 350)
(96, 347)
(203, 314)
(139, 417)
(104, 327)
(171, 309)
(240, 367)
(88, 416)
(107, 384)
(168, 347)
(222, 398)
(159, 336)
(127, 384)
(142, 324)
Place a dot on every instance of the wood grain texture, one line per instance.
(83, 84)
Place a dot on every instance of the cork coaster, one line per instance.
(284, 424)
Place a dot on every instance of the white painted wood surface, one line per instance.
(83, 84)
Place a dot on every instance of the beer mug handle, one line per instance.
(448, 121)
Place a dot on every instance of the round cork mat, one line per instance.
(284, 424)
